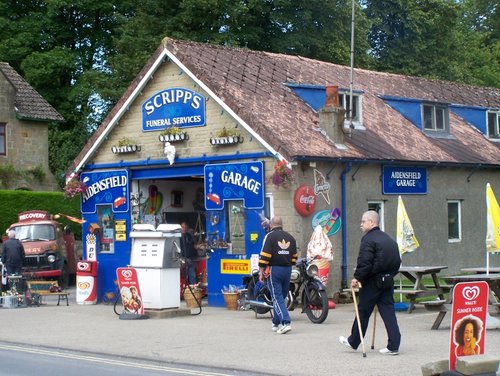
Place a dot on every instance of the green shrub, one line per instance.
(14, 202)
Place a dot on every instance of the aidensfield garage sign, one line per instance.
(397, 180)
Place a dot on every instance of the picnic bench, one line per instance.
(39, 289)
(415, 275)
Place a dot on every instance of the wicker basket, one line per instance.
(190, 299)
(231, 299)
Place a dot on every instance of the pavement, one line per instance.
(234, 340)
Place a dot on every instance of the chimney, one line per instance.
(331, 117)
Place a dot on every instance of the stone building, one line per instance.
(250, 119)
(24, 132)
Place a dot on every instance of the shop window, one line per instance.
(378, 206)
(493, 125)
(454, 221)
(235, 226)
(107, 225)
(3, 141)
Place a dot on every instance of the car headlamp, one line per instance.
(51, 258)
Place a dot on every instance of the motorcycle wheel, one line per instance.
(261, 295)
(315, 304)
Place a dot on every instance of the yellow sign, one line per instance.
(120, 237)
(234, 266)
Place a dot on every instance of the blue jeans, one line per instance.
(279, 284)
(191, 271)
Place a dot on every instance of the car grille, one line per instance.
(36, 262)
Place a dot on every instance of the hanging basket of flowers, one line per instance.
(283, 175)
(74, 187)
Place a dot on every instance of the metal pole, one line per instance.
(352, 67)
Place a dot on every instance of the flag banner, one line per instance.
(405, 236)
(493, 221)
(73, 219)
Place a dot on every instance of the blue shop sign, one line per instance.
(398, 180)
(234, 181)
(105, 187)
(174, 107)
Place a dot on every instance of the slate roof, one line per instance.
(252, 83)
(28, 103)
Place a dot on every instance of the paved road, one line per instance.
(233, 339)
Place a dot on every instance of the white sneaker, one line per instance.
(386, 351)
(284, 329)
(275, 327)
(343, 341)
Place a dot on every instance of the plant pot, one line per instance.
(231, 299)
(189, 298)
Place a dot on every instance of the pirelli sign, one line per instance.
(228, 266)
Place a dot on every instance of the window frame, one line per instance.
(373, 205)
(495, 137)
(459, 221)
(445, 118)
(357, 122)
(3, 139)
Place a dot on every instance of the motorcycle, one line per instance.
(304, 283)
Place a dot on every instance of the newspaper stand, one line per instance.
(156, 257)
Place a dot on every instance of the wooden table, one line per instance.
(443, 306)
(481, 270)
(415, 274)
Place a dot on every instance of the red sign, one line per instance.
(468, 320)
(130, 291)
(305, 200)
(34, 215)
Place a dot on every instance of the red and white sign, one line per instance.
(130, 291)
(468, 320)
(305, 200)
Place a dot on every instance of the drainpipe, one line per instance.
(344, 223)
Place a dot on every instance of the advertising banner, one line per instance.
(105, 187)
(398, 180)
(468, 320)
(130, 291)
(174, 107)
(234, 181)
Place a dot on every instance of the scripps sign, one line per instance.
(106, 187)
(174, 107)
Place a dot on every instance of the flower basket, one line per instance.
(231, 299)
(283, 176)
(189, 297)
(74, 187)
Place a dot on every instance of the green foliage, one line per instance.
(81, 55)
(10, 175)
(14, 202)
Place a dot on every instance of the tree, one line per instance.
(433, 38)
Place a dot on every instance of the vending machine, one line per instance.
(156, 256)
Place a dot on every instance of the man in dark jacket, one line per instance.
(13, 254)
(278, 254)
(188, 251)
(378, 262)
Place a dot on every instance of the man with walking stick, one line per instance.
(378, 262)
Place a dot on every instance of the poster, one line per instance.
(468, 320)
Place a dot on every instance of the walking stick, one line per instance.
(358, 320)
(374, 326)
